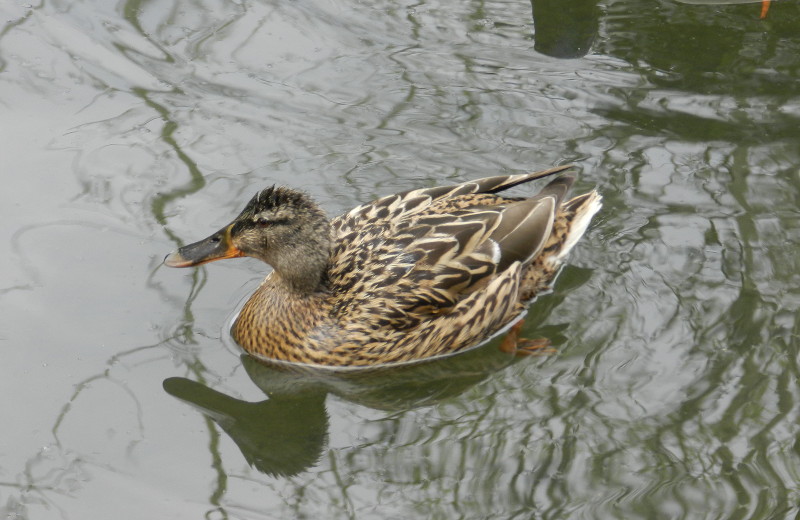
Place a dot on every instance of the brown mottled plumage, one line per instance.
(409, 276)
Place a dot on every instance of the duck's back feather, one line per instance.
(417, 255)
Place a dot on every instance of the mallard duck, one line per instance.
(409, 276)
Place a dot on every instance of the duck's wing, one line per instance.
(391, 209)
(422, 263)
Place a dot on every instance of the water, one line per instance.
(131, 128)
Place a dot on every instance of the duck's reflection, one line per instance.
(287, 433)
(281, 436)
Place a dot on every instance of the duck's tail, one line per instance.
(578, 213)
(569, 225)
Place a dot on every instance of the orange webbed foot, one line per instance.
(513, 344)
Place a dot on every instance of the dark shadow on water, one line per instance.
(280, 436)
(286, 433)
(564, 28)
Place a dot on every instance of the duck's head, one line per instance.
(280, 226)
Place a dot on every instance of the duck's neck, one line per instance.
(302, 280)
(302, 267)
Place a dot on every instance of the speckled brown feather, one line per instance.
(419, 274)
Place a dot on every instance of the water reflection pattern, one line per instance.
(675, 390)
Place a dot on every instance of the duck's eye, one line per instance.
(264, 221)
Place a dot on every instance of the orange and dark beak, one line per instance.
(216, 247)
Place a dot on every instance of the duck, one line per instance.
(411, 276)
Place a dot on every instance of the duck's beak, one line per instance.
(215, 247)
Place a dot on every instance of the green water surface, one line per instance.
(130, 128)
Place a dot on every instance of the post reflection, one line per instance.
(564, 29)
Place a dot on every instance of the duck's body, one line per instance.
(406, 277)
